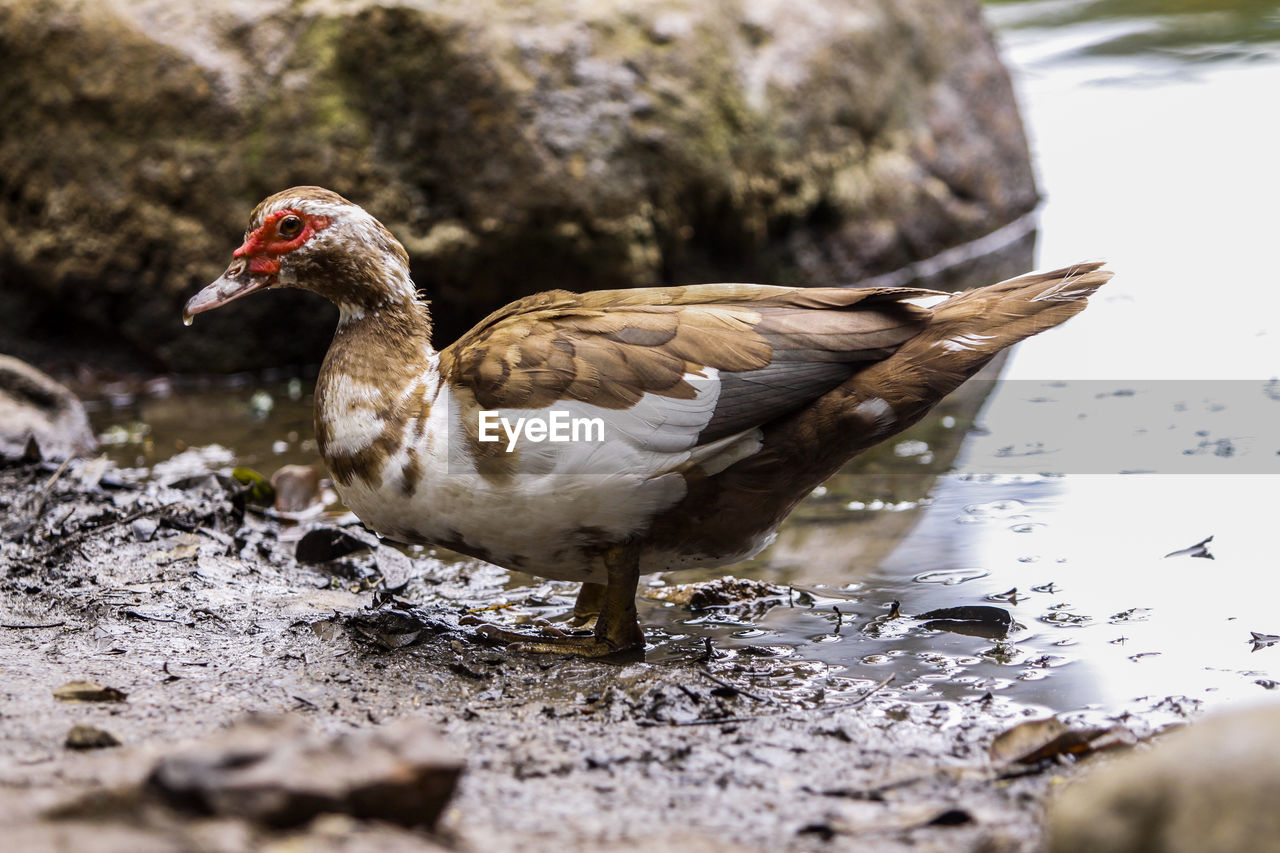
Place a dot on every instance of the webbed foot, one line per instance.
(609, 609)
(590, 645)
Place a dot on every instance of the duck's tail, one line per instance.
(988, 319)
(967, 331)
(963, 333)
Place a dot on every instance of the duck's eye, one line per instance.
(289, 226)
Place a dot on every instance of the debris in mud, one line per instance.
(395, 627)
(1211, 786)
(297, 489)
(1262, 641)
(1033, 741)
(87, 691)
(144, 529)
(723, 592)
(325, 544)
(1200, 549)
(278, 773)
(396, 569)
(84, 736)
(258, 490)
(1012, 596)
(888, 625)
(978, 620)
(725, 735)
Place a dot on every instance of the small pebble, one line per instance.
(82, 736)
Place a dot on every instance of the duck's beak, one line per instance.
(237, 281)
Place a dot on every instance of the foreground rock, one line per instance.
(276, 773)
(512, 147)
(1212, 787)
(39, 418)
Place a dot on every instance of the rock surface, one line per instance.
(273, 771)
(512, 147)
(35, 407)
(1212, 787)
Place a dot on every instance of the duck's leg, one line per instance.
(617, 627)
(586, 610)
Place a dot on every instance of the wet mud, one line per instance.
(187, 610)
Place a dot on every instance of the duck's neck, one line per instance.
(398, 318)
(372, 382)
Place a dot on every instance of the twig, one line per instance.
(144, 617)
(27, 627)
(14, 528)
(853, 703)
(83, 532)
(56, 474)
(700, 722)
(736, 688)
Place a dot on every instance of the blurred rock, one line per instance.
(276, 772)
(1213, 787)
(323, 544)
(513, 147)
(88, 691)
(84, 736)
(297, 488)
(36, 408)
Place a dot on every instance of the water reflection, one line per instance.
(1179, 30)
(1169, 174)
(1164, 165)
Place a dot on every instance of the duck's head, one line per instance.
(314, 239)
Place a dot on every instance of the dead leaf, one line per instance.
(977, 620)
(1036, 740)
(88, 691)
(173, 555)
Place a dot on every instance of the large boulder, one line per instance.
(511, 146)
(1213, 787)
(39, 417)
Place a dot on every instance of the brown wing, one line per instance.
(773, 348)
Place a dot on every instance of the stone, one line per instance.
(325, 544)
(82, 736)
(88, 691)
(277, 772)
(513, 147)
(297, 488)
(1213, 786)
(39, 417)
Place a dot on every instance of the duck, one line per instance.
(601, 436)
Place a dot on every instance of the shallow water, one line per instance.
(1155, 414)
(1145, 425)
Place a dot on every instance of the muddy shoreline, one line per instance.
(199, 612)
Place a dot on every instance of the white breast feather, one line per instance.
(559, 489)
(353, 416)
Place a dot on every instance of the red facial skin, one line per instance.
(256, 264)
(264, 246)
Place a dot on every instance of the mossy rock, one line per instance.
(512, 147)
